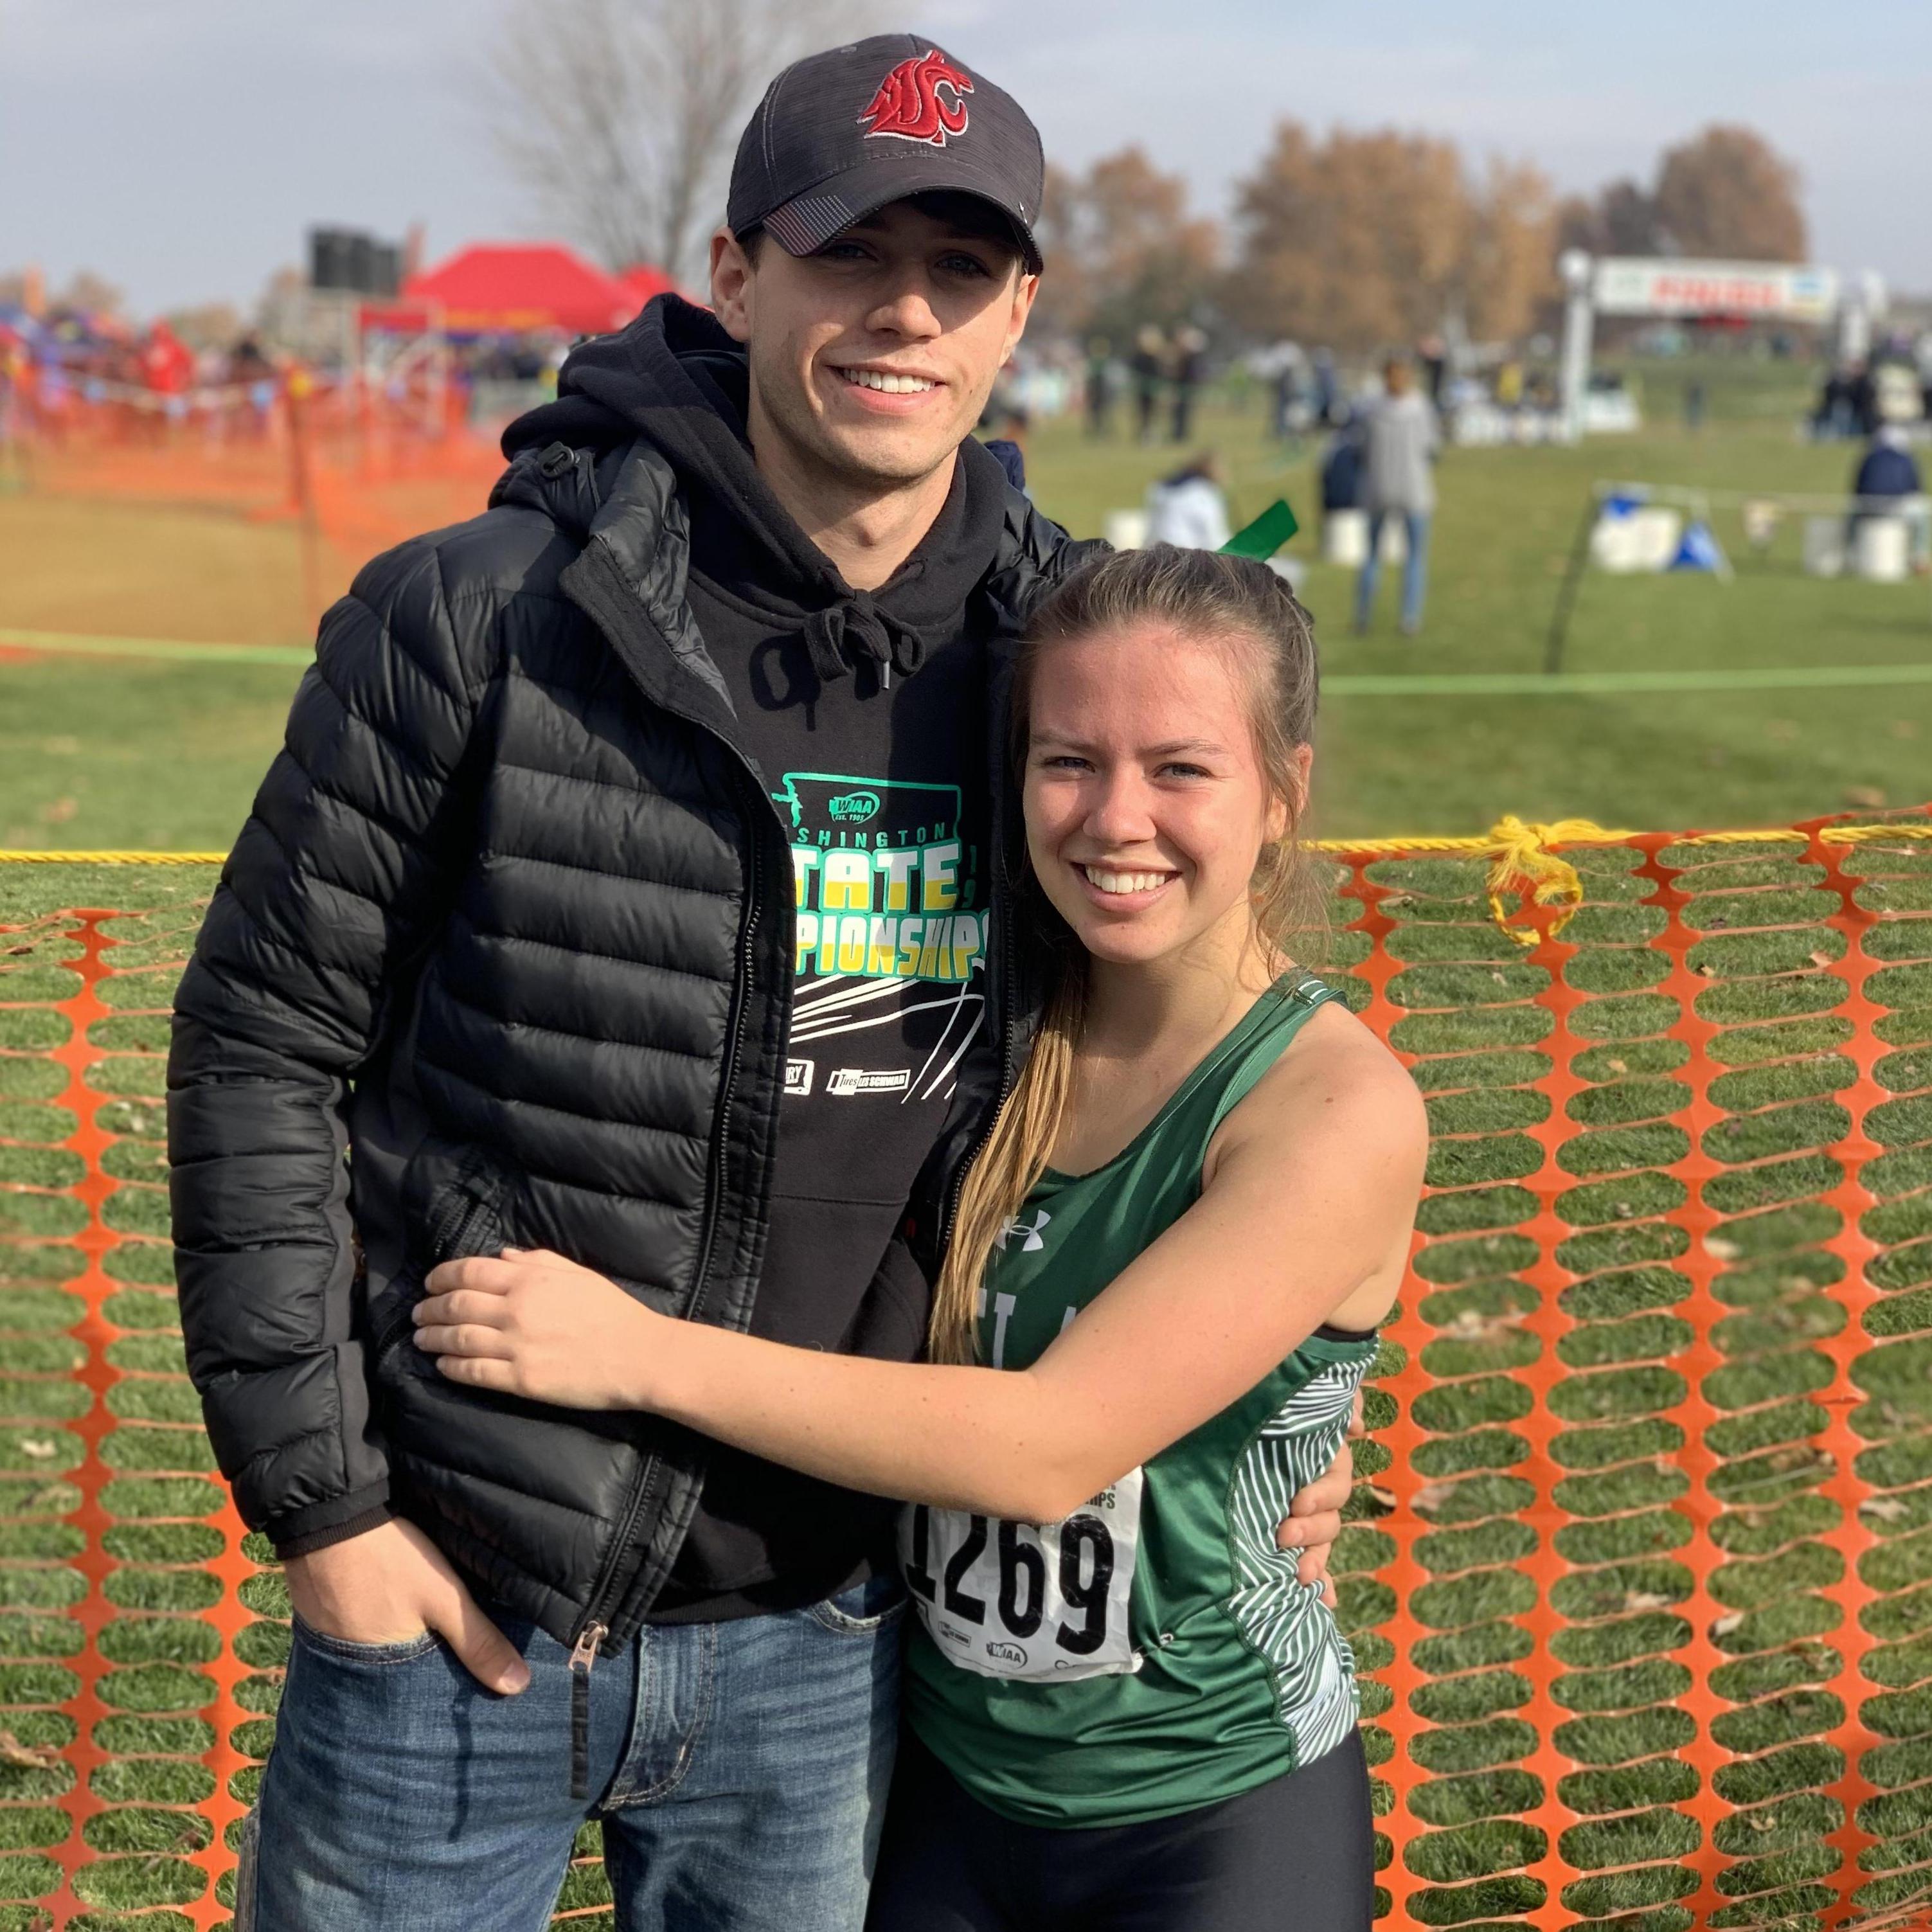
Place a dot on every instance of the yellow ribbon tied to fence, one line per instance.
(1520, 858)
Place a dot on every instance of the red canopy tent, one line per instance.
(517, 288)
(644, 282)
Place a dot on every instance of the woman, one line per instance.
(1124, 1711)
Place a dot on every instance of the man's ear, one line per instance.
(732, 277)
(1024, 289)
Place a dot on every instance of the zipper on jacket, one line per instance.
(447, 1231)
(733, 1039)
(583, 1658)
(594, 1627)
(463, 1210)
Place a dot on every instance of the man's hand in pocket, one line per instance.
(390, 1584)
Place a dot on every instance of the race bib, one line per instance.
(1045, 1603)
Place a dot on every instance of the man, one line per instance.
(1100, 387)
(1887, 470)
(1190, 353)
(1148, 368)
(1399, 440)
(636, 883)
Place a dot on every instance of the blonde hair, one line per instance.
(1232, 600)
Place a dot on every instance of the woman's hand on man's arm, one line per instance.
(529, 1323)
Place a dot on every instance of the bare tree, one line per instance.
(1619, 219)
(621, 116)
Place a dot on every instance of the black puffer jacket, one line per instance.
(512, 915)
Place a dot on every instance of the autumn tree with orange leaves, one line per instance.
(1362, 241)
(1371, 240)
(1729, 194)
(1122, 250)
(1725, 195)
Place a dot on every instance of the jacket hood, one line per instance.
(610, 384)
(674, 380)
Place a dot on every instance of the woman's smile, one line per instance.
(1124, 887)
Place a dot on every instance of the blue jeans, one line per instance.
(1414, 568)
(740, 1769)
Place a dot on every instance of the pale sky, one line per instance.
(181, 148)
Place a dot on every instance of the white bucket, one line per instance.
(1644, 539)
(1881, 552)
(1125, 529)
(1824, 546)
(1344, 538)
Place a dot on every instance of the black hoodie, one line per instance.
(863, 716)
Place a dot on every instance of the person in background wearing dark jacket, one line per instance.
(1888, 469)
(1342, 473)
(635, 885)
(1100, 377)
(1190, 363)
(1148, 368)
(1861, 400)
(1888, 484)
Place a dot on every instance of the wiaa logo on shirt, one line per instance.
(1034, 1232)
(852, 807)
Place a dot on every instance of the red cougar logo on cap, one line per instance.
(920, 101)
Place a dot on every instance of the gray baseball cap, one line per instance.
(840, 134)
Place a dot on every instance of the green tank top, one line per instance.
(1154, 1652)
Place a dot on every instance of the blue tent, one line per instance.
(1699, 550)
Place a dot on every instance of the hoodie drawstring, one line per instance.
(841, 633)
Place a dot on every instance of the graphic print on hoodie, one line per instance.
(884, 880)
(866, 716)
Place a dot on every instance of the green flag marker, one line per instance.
(1266, 535)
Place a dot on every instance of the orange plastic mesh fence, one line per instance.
(350, 469)
(1640, 1575)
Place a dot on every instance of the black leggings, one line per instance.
(1296, 1855)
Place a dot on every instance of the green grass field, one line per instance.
(99, 752)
